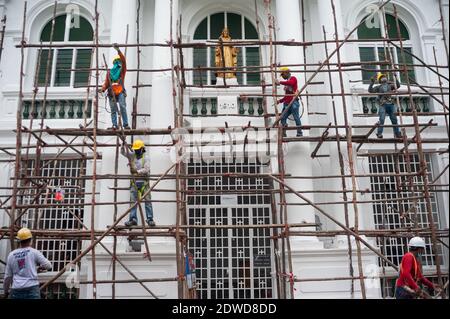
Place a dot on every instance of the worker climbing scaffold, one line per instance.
(115, 86)
(410, 275)
(386, 101)
(139, 168)
(291, 102)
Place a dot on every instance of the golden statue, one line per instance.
(229, 56)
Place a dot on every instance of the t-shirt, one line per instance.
(290, 88)
(142, 164)
(384, 90)
(22, 265)
(410, 273)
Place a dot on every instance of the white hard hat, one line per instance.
(417, 242)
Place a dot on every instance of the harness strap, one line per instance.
(415, 267)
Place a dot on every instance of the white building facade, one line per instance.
(226, 260)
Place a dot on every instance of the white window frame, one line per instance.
(55, 51)
(407, 44)
(208, 53)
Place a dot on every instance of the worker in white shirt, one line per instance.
(22, 267)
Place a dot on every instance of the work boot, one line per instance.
(127, 127)
(299, 134)
(151, 223)
(380, 135)
(131, 223)
(398, 135)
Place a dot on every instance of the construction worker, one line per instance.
(290, 89)
(410, 273)
(115, 85)
(139, 167)
(22, 267)
(386, 102)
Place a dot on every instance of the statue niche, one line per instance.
(226, 56)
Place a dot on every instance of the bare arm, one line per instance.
(43, 262)
(125, 151)
(7, 284)
(8, 278)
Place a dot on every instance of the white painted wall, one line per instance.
(309, 260)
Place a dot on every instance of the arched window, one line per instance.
(60, 61)
(376, 51)
(240, 29)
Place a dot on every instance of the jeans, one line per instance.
(390, 109)
(25, 293)
(401, 293)
(294, 110)
(123, 109)
(134, 197)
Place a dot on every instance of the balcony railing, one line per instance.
(370, 104)
(209, 106)
(56, 109)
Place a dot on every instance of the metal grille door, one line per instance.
(50, 216)
(387, 211)
(230, 262)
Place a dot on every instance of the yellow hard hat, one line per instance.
(137, 145)
(380, 75)
(284, 69)
(24, 234)
(117, 57)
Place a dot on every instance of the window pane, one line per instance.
(252, 56)
(201, 33)
(392, 28)
(234, 25)
(367, 55)
(200, 60)
(84, 31)
(240, 63)
(212, 52)
(407, 60)
(58, 32)
(45, 60)
(369, 29)
(63, 65)
(83, 61)
(217, 25)
(250, 30)
(383, 57)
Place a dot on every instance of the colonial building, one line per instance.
(230, 263)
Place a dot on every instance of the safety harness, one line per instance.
(140, 190)
(416, 268)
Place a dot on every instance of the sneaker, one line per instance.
(399, 136)
(380, 135)
(151, 223)
(113, 128)
(300, 134)
(130, 223)
(126, 127)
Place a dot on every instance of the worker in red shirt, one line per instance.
(115, 86)
(290, 89)
(407, 285)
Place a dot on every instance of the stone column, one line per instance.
(325, 14)
(161, 107)
(297, 155)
